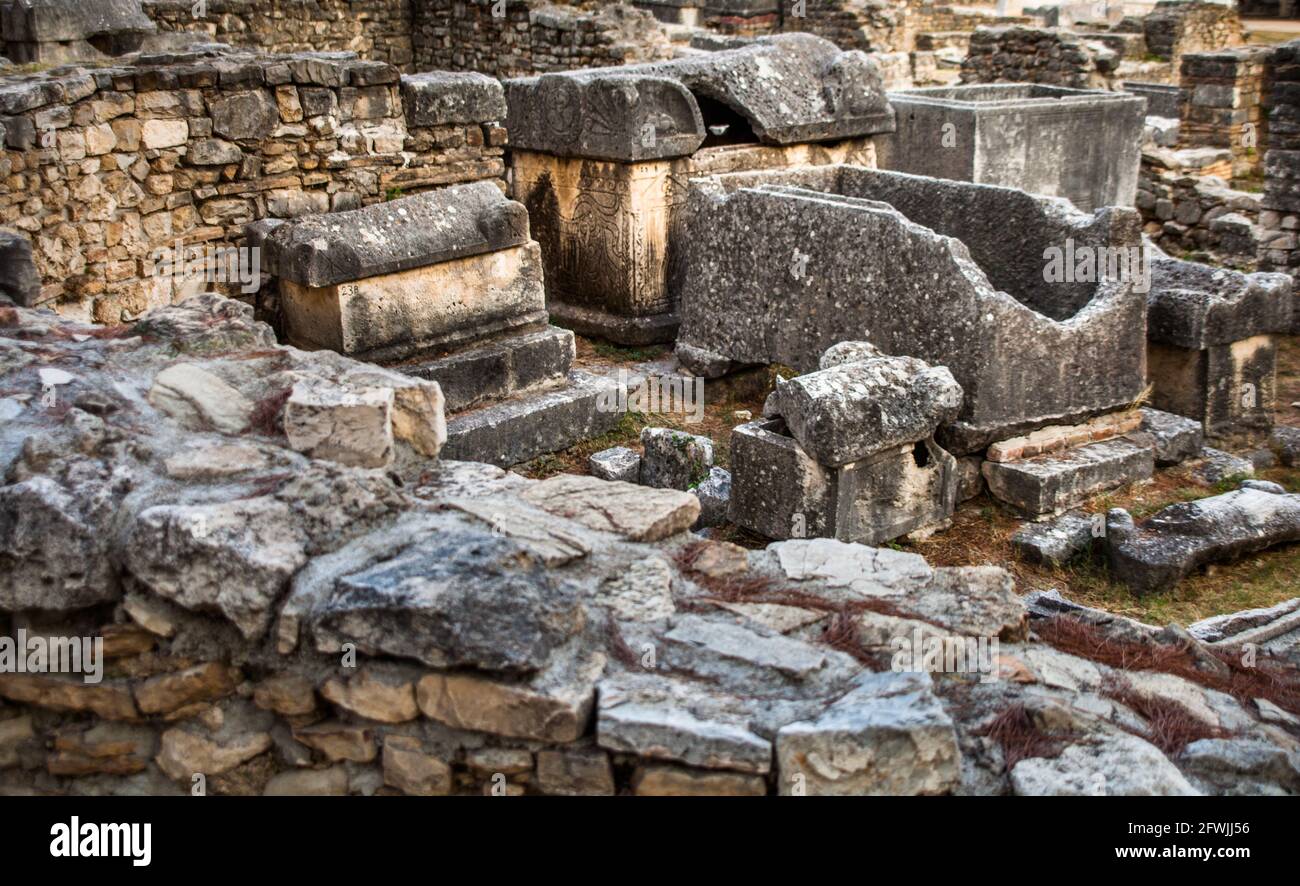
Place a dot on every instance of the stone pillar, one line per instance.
(1227, 94)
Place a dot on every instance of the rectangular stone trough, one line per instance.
(602, 159)
(1084, 145)
(782, 265)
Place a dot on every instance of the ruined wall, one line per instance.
(104, 167)
(869, 25)
(1191, 213)
(1174, 29)
(1281, 205)
(379, 30)
(1031, 55)
(1226, 97)
(532, 36)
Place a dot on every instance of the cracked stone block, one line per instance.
(437, 98)
(1157, 552)
(345, 425)
(634, 512)
(1056, 542)
(1050, 484)
(617, 463)
(888, 736)
(1286, 442)
(1116, 765)
(1177, 438)
(674, 459)
(1216, 466)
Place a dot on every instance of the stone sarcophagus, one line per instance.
(1032, 305)
(1084, 145)
(1211, 346)
(59, 31)
(446, 286)
(602, 159)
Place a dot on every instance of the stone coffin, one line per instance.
(444, 286)
(783, 265)
(1211, 352)
(58, 31)
(602, 158)
(1084, 145)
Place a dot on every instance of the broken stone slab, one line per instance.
(537, 530)
(437, 226)
(1216, 466)
(856, 409)
(199, 399)
(789, 88)
(665, 780)
(234, 558)
(715, 498)
(616, 463)
(1112, 765)
(438, 98)
(1051, 484)
(674, 459)
(1062, 352)
(1242, 767)
(19, 280)
(525, 426)
(1196, 306)
(1286, 443)
(1169, 545)
(1177, 438)
(349, 426)
(1055, 542)
(728, 651)
(634, 512)
(464, 596)
(1221, 627)
(640, 592)
(888, 736)
(501, 367)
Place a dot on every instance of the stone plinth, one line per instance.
(1084, 145)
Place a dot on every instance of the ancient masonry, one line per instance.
(319, 324)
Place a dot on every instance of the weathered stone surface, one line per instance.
(375, 695)
(1221, 627)
(112, 702)
(575, 773)
(1286, 442)
(1241, 766)
(1195, 306)
(553, 705)
(533, 528)
(198, 399)
(889, 735)
(789, 88)
(331, 782)
(617, 463)
(1169, 545)
(245, 115)
(430, 228)
(170, 692)
(213, 152)
(463, 596)
(184, 754)
(339, 741)
(674, 459)
(441, 97)
(857, 409)
(1177, 438)
(351, 427)
(715, 498)
(1216, 466)
(659, 780)
(1118, 765)
(1026, 352)
(643, 592)
(777, 489)
(287, 694)
(234, 558)
(633, 512)
(1056, 542)
(1050, 484)
(414, 771)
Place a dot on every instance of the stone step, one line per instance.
(499, 368)
(526, 426)
(1051, 484)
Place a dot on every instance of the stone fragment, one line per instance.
(674, 459)
(287, 694)
(618, 463)
(215, 462)
(200, 400)
(1051, 484)
(504, 761)
(1242, 766)
(888, 736)
(1177, 438)
(184, 754)
(438, 98)
(169, 692)
(1115, 765)
(375, 695)
(575, 773)
(351, 427)
(857, 409)
(1217, 466)
(213, 152)
(533, 528)
(339, 741)
(110, 701)
(642, 592)
(1169, 545)
(331, 782)
(19, 280)
(1286, 442)
(661, 780)
(723, 650)
(1055, 542)
(250, 115)
(636, 513)
(715, 498)
(414, 771)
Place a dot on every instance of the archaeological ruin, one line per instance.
(649, 398)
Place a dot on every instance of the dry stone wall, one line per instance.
(103, 168)
(378, 30)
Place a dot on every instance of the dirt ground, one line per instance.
(982, 527)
